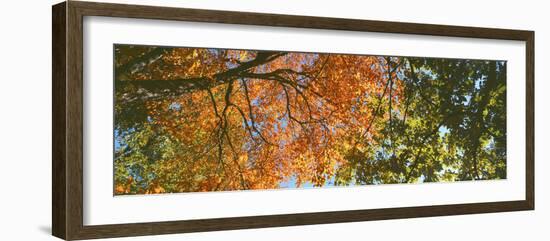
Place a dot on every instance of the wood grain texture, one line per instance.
(58, 121)
(67, 183)
(530, 120)
(74, 114)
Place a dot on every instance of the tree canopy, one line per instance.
(197, 119)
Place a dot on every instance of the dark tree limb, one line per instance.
(145, 90)
(139, 63)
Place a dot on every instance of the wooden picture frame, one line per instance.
(67, 150)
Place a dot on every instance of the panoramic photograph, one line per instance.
(190, 119)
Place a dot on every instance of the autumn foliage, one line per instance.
(195, 119)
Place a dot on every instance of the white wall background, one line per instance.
(25, 122)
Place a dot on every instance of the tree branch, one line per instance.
(251, 114)
(138, 63)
